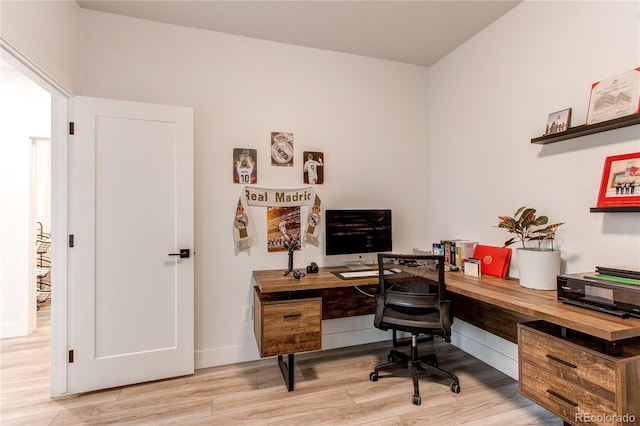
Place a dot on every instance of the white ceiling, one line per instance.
(417, 32)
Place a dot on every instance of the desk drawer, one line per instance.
(564, 398)
(288, 326)
(574, 364)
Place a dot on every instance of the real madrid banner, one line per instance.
(263, 197)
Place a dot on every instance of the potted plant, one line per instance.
(538, 266)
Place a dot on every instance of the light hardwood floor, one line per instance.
(332, 388)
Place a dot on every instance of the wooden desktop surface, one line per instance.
(273, 280)
(503, 293)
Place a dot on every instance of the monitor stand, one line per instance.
(356, 265)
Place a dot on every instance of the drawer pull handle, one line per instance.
(557, 395)
(561, 361)
(291, 316)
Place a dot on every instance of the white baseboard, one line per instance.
(342, 332)
(488, 348)
(226, 355)
(336, 333)
(13, 329)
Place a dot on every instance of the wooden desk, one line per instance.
(497, 305)
(288, 311)
(501, 293)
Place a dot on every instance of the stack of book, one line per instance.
(455, 252)
(616, 275)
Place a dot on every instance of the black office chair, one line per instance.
(411, 303)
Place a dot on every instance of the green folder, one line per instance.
(613, 279)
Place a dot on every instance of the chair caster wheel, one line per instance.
(417, 400)
(455, 388)
(373, 376)
(390, 358)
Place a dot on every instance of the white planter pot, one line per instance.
(538, 268)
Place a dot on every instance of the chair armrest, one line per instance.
(445, 318)
(377, 319)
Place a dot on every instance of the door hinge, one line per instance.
(71, 240)
(72, 128)
(70, 356)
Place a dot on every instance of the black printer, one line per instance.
(614, 291)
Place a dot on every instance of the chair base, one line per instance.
(416, 364)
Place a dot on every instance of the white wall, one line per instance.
(46, 32)
(490, 97)
(368, 117)
(25, 111)
(493, 94)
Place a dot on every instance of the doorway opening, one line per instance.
(56, 100)
(40, 206)
(25, 182)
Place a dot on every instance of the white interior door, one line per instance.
(130, 210)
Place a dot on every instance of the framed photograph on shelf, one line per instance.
(615, 97)
(558, 121)
(620, 186)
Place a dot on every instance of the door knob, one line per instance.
(184, 253)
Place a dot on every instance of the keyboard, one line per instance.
(369, 273)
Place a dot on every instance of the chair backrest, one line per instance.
(411, 295)
(416, 271)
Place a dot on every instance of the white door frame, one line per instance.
(61, 99)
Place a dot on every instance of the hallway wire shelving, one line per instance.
(43, 265)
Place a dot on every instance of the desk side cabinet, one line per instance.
(286, 325)
(570, 375)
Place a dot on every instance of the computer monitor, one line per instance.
(357, 231)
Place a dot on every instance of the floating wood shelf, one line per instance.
(621, 209)
(588, 129)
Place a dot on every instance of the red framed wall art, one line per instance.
(620, 185)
